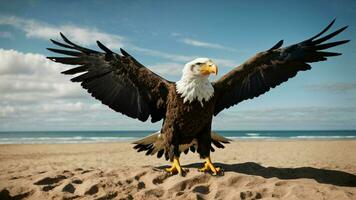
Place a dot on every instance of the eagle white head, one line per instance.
(195, 83)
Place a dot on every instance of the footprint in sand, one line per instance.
(151, 193)
(138, 176)
(109, 195)
(50, 180)
(190, 183)
(141, 185)
(49, 183)
(88, 188)
(68, 188)
(48, 187)
(77, 181)
(247, 195)
(92, 189)
(202, 189)
(160, 178)
(5, 194)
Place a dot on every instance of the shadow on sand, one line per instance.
(334, 177)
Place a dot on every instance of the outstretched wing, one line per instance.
(268, 69)
(118, 81)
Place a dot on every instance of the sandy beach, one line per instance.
(287, 169)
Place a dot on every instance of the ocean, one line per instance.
(50, 137)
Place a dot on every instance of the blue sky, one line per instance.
(164, 35)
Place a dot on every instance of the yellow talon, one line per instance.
(208, 166)
(176, 168)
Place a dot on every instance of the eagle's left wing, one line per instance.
(270, 68)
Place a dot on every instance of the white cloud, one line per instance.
(183, 58)
(17, 63)
(198, 43)
(225, 62)
(65, 107)
(82, 35)
(168, 56)
(31, 77)
(6, 110)
(167, 68)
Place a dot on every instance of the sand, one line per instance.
(253, 170)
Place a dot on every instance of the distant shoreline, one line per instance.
(75, 137)
(233, 140)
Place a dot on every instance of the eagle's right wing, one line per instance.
(118, 81)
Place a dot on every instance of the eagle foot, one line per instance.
(176, 168)
(210, 168)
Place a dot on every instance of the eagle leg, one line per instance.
(176, 167)
(209, 167)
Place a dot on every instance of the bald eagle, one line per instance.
(187, 106)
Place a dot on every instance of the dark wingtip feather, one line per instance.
(76, 79)
(329, 54)
(276, 46)
(66, 52)
(331, 35)
(65, 72)
(51, 58)
(75, 70)
(74, 46)
(103, 47)
(53, 41)
(70, 42)
(66, 60)
(64, 37)
(125, 53)
(331, 23)
(323, 31)
(61, 44)
(331, 44)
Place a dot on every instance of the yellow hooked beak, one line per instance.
(209, 68)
